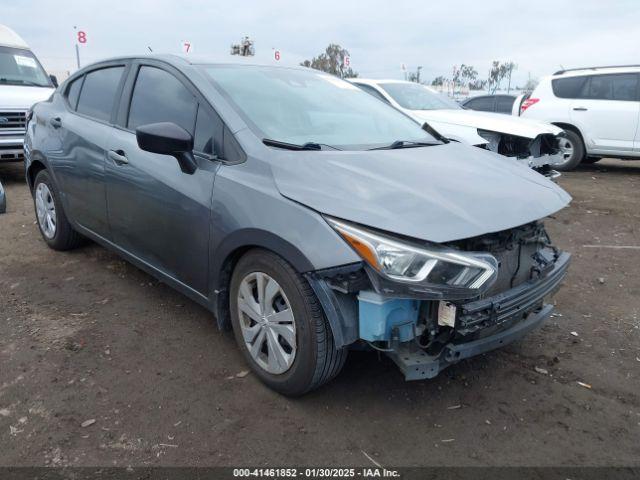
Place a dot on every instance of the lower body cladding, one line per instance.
(424, 336)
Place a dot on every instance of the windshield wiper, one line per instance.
(293, 146)
(21, 82)
(406, 144)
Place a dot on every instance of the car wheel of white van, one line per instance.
(280, 326)
(52, 221)
(572, 150)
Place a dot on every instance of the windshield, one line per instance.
(414, 96)
(301, 106)
(20, 67)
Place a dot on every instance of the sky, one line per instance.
(540, 36)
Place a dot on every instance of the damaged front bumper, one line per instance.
(541, 153)
(360, 315)
(490, 323)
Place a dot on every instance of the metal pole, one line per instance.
(75, 29)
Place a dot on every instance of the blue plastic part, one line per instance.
(379, 316)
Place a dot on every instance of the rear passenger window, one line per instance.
(99, 92)
(612, 87)
(158, 96)
(568, 87)
(504, 104)
(484, 104)
(208, 136)
(73, 92)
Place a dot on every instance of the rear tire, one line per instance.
(313, 359)
(573, 147)
(52, 221)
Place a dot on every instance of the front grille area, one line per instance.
(513, 304)
(13, 120)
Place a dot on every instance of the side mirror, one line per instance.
(167, 138)
(54, 80)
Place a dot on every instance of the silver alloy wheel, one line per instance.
(267, 323)
(566, 147)
(46, 210)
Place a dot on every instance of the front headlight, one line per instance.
(428, 265)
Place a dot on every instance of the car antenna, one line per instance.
(150, 49)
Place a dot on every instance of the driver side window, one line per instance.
(208, 135)
(158, 96)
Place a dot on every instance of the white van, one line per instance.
(23, 82)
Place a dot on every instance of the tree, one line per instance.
(497, 73)
(414, 76)
(438, 81)
(332, 61)
(464, 75)
(531, 84)
(477, 85)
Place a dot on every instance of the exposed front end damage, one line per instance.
(541, 153)
(424, 330)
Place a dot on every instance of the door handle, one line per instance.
(118, 157)
(580, 109)
(55, 122)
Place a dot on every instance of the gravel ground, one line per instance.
(102, 365)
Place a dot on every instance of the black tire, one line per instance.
(65, 237)
(573, 140)
(591, 160)
(317, 360)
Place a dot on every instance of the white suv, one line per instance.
(598, 107)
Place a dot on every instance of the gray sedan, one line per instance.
(302, 212)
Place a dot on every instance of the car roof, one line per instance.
(495, 95)
(371, 81)
(184, 60)
(9, 38)
(576, 72)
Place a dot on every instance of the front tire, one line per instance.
(52, 221)
(280, 326)
(573, 151)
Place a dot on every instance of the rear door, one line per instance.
(157, 213)
(82, 131)
(606, 111)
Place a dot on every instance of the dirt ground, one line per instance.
(85, 336)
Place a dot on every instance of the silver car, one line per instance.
(301, 211)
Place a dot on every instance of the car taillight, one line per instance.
(527, 103)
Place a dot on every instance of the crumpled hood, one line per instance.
(22, 97)
(440, 193)
(495, 122)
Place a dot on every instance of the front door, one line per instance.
(156, 212)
